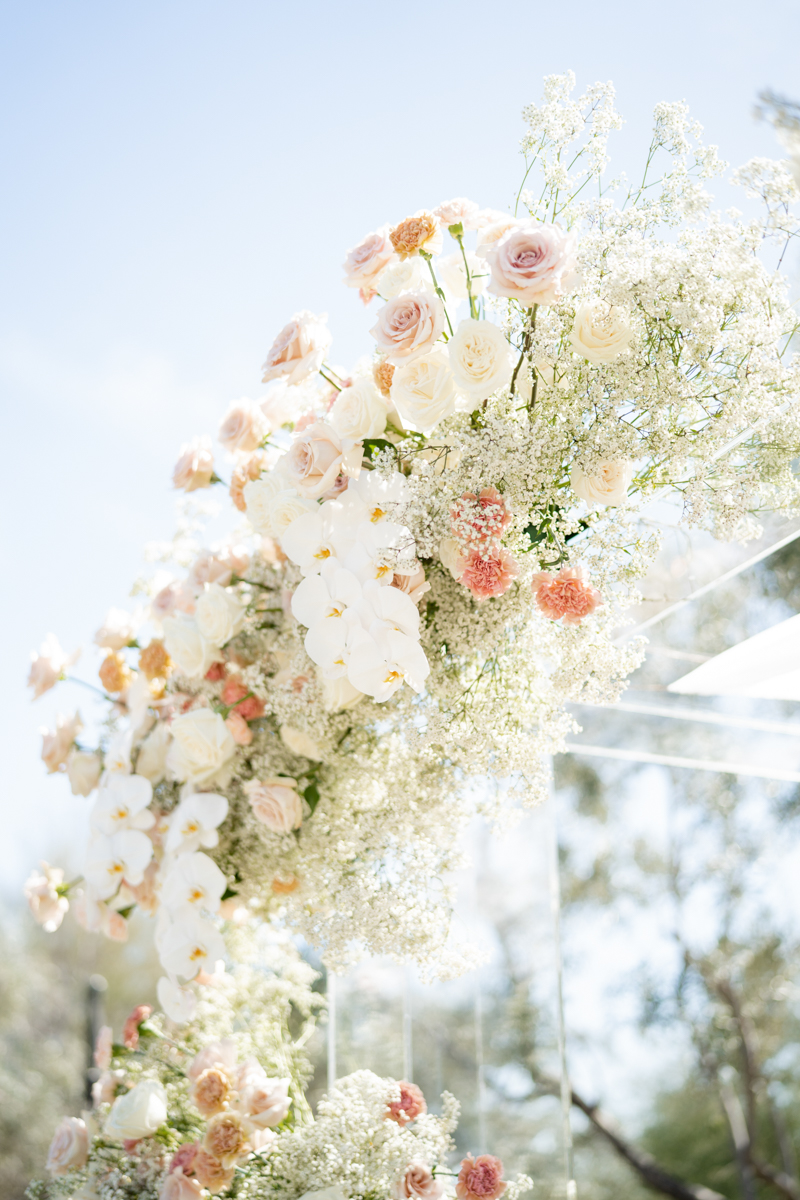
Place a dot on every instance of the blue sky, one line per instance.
(181, 177)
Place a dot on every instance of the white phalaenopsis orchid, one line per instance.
(190, 944)
(326, 595)
(124, 855)
(193, 880)
(180, 1004)
(122, 804)
(382, 660)
(309, 540)
(194, 823)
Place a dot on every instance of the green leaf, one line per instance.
(311, 795)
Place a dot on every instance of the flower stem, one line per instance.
(526, 345)
(429, 260)
(328, 379)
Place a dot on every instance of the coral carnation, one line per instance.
(489, 574)
(480, 1178)
(565, 596)
(410, 1105)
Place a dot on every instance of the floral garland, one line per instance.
(219, 1109)
(438, 547)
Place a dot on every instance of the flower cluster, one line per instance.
(218, 1109)
(432, 553)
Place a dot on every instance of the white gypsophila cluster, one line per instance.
(434, 554)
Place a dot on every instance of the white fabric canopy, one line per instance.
(765, 666)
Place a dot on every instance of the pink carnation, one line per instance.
(130, 1030)
(488, 574)
(480, 520)
(565, 596)
(233, 695)
(410, 1105)
(480, 1178)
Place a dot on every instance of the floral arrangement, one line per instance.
(218, 1108)
(431, 553)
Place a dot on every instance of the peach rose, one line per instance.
(240, 731)
(299, 349)
(366, 261)
(210, 1173)
(243, 426)
(480, 1178)
(565, 596)
(534, 263)
(315, 460)
(418, 1183)
(412, 583)
(250, 469)
(177, 1187)
(409, 1105)
(409, 325)
(57, 745)
(420, 232)
(195, 466)
(226, 1139)
(275, 803)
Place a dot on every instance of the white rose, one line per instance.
(298, 350)
(300, 743)
(454, 276)
(424, 392)
(189, 650)
(69, 1148)
(139, 1113)
(410, 275)
(479, 358)
(359, 411)
(258, 495)
(219, 615)
(202, 745)
(608, 486)
(152, 760)
(600, 332)
(83, 772)
(285, 508)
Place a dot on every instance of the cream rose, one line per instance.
(83, 772)
(424, 392)
(275, 803)
(534, 263)
(258, 496)
(608, 486)
(299, 349)
(600, 331)
(285, 508)
(243, 426)
(459, 211)
(493, 232)
(451, 557)
(454, 276)
(219, 615)
(409, 275)
(338, 694)
(195, 465)
(202, 745)
(300, 743)
(366, 261)
(69, 1148)
(315, 460)
(189, 650)
(151, 762)
(57, 746)
(359, 412)
(408, 326)
(138, 1113)
(479, 358)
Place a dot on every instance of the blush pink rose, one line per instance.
(408, 325)
(480, 1178)
(409, 1105)
(183, 1158)
(414, 584)
(315, 460)
(299, 349)
(69, 1148)
(533, 263)
(175, 597)
(565, 596)
(480, 521)
(488, 573)
(366, 261)
(177, 1187)
(418, 1183)
(215, 1054)
(195, 465)
(275, 803)
(243, 427)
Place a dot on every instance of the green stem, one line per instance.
(473, 311)
(526, 345)
(90, 686)
(328, 379)
(429, 260)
